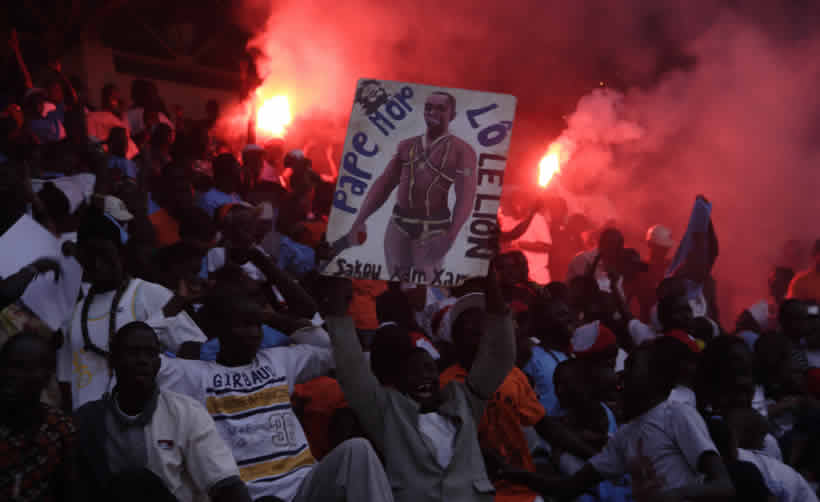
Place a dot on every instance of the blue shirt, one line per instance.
(294, 258)
(127, 167)
(48, 130)
(541, 368)
(213, 199)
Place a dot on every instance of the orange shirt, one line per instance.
(805, 286)
(166, 228)
(322, 397)
(513, 406)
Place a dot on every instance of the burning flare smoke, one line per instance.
(273, 117)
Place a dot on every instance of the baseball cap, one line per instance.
(450, 314)
(760, 313)
(116, 208)
(661, 236)
(591, 338)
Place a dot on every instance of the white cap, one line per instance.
(451, 314)
(661, 236)
(116, 208)
(760, 313)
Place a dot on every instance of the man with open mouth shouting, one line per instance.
(428, 437)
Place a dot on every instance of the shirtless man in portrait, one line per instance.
(422, 227)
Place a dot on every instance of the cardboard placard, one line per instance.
(419, 183)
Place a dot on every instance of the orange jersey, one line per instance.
(513, 406)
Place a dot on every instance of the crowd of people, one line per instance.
(203, 355)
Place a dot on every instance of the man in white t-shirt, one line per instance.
(672, 437)
(247, 392)
(111, 301)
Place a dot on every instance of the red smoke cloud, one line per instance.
(726, 100)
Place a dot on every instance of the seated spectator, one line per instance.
(17, 139)
(588, 418)
(112, 301)
(117, 150)
(550, 323)
(675, 316)
(594, 345)
(281, 319)
(139, 426)
(583, 413)
(247, 391)
(680, 368)
(197, 229)
(177, 267)
(762, 316)
(513, 406)
(746, 477)
(793, 415)
(173, 196)
(725, 374)
(37, 440)
(47, 128)
(227, 182)
(428, 437)
(672, 437)
(786, 484)
(518, 292)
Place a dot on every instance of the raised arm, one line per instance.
(13, 286)
(496, 354)
(517, 231)
(71, 94)
(361, 388)
(298, 300)
(14, 42)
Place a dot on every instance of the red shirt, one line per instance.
(32, 461)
